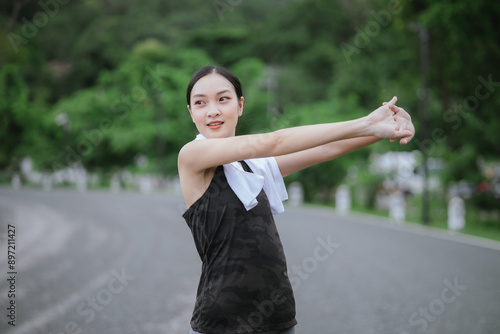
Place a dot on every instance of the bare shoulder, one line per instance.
(199, 155)
(194, 180)
(188, 152)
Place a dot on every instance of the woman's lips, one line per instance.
(215, 125)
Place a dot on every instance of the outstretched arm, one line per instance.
(200, 155)
(297, 161)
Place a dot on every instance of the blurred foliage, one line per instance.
(119, 69)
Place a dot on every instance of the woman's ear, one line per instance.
(240, 111)
(190, 113)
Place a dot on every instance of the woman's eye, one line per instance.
(198, 102)
(224, 98)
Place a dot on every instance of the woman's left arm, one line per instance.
(297, 161)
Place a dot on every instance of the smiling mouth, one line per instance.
(215, 124)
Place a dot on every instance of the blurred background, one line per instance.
(93, 115)
(92, 94)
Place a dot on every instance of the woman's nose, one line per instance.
(213, 111)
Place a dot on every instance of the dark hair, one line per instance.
(209, 70)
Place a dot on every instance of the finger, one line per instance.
(392, 102)
(404, 114)
(402, 134)
(395, 108)
(409, 138)
(401, 111)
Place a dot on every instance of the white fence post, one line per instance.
(114, 184)
(343, 200)
(397, 206)
(295, 194)
(16, 181)
(456, 214)
(81, 181)
(145, 185)
(47, 182)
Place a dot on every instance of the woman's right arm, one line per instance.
(201, 155)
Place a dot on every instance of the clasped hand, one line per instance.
(391, 122)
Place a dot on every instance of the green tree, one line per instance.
(25, 128)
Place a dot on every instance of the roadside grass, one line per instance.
(479, 224)
(476, 223)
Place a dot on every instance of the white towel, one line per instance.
(266, 175)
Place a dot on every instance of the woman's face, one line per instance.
(215, 108)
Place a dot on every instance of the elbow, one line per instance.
(276, 142)
(262, 145)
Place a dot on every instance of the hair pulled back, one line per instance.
(209, 70)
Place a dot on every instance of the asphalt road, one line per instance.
(108, 264)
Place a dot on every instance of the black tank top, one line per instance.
(244, 287)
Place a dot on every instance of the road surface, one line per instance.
(106, 263)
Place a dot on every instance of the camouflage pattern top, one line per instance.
(244, 287)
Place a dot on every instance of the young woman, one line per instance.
(232, 186)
